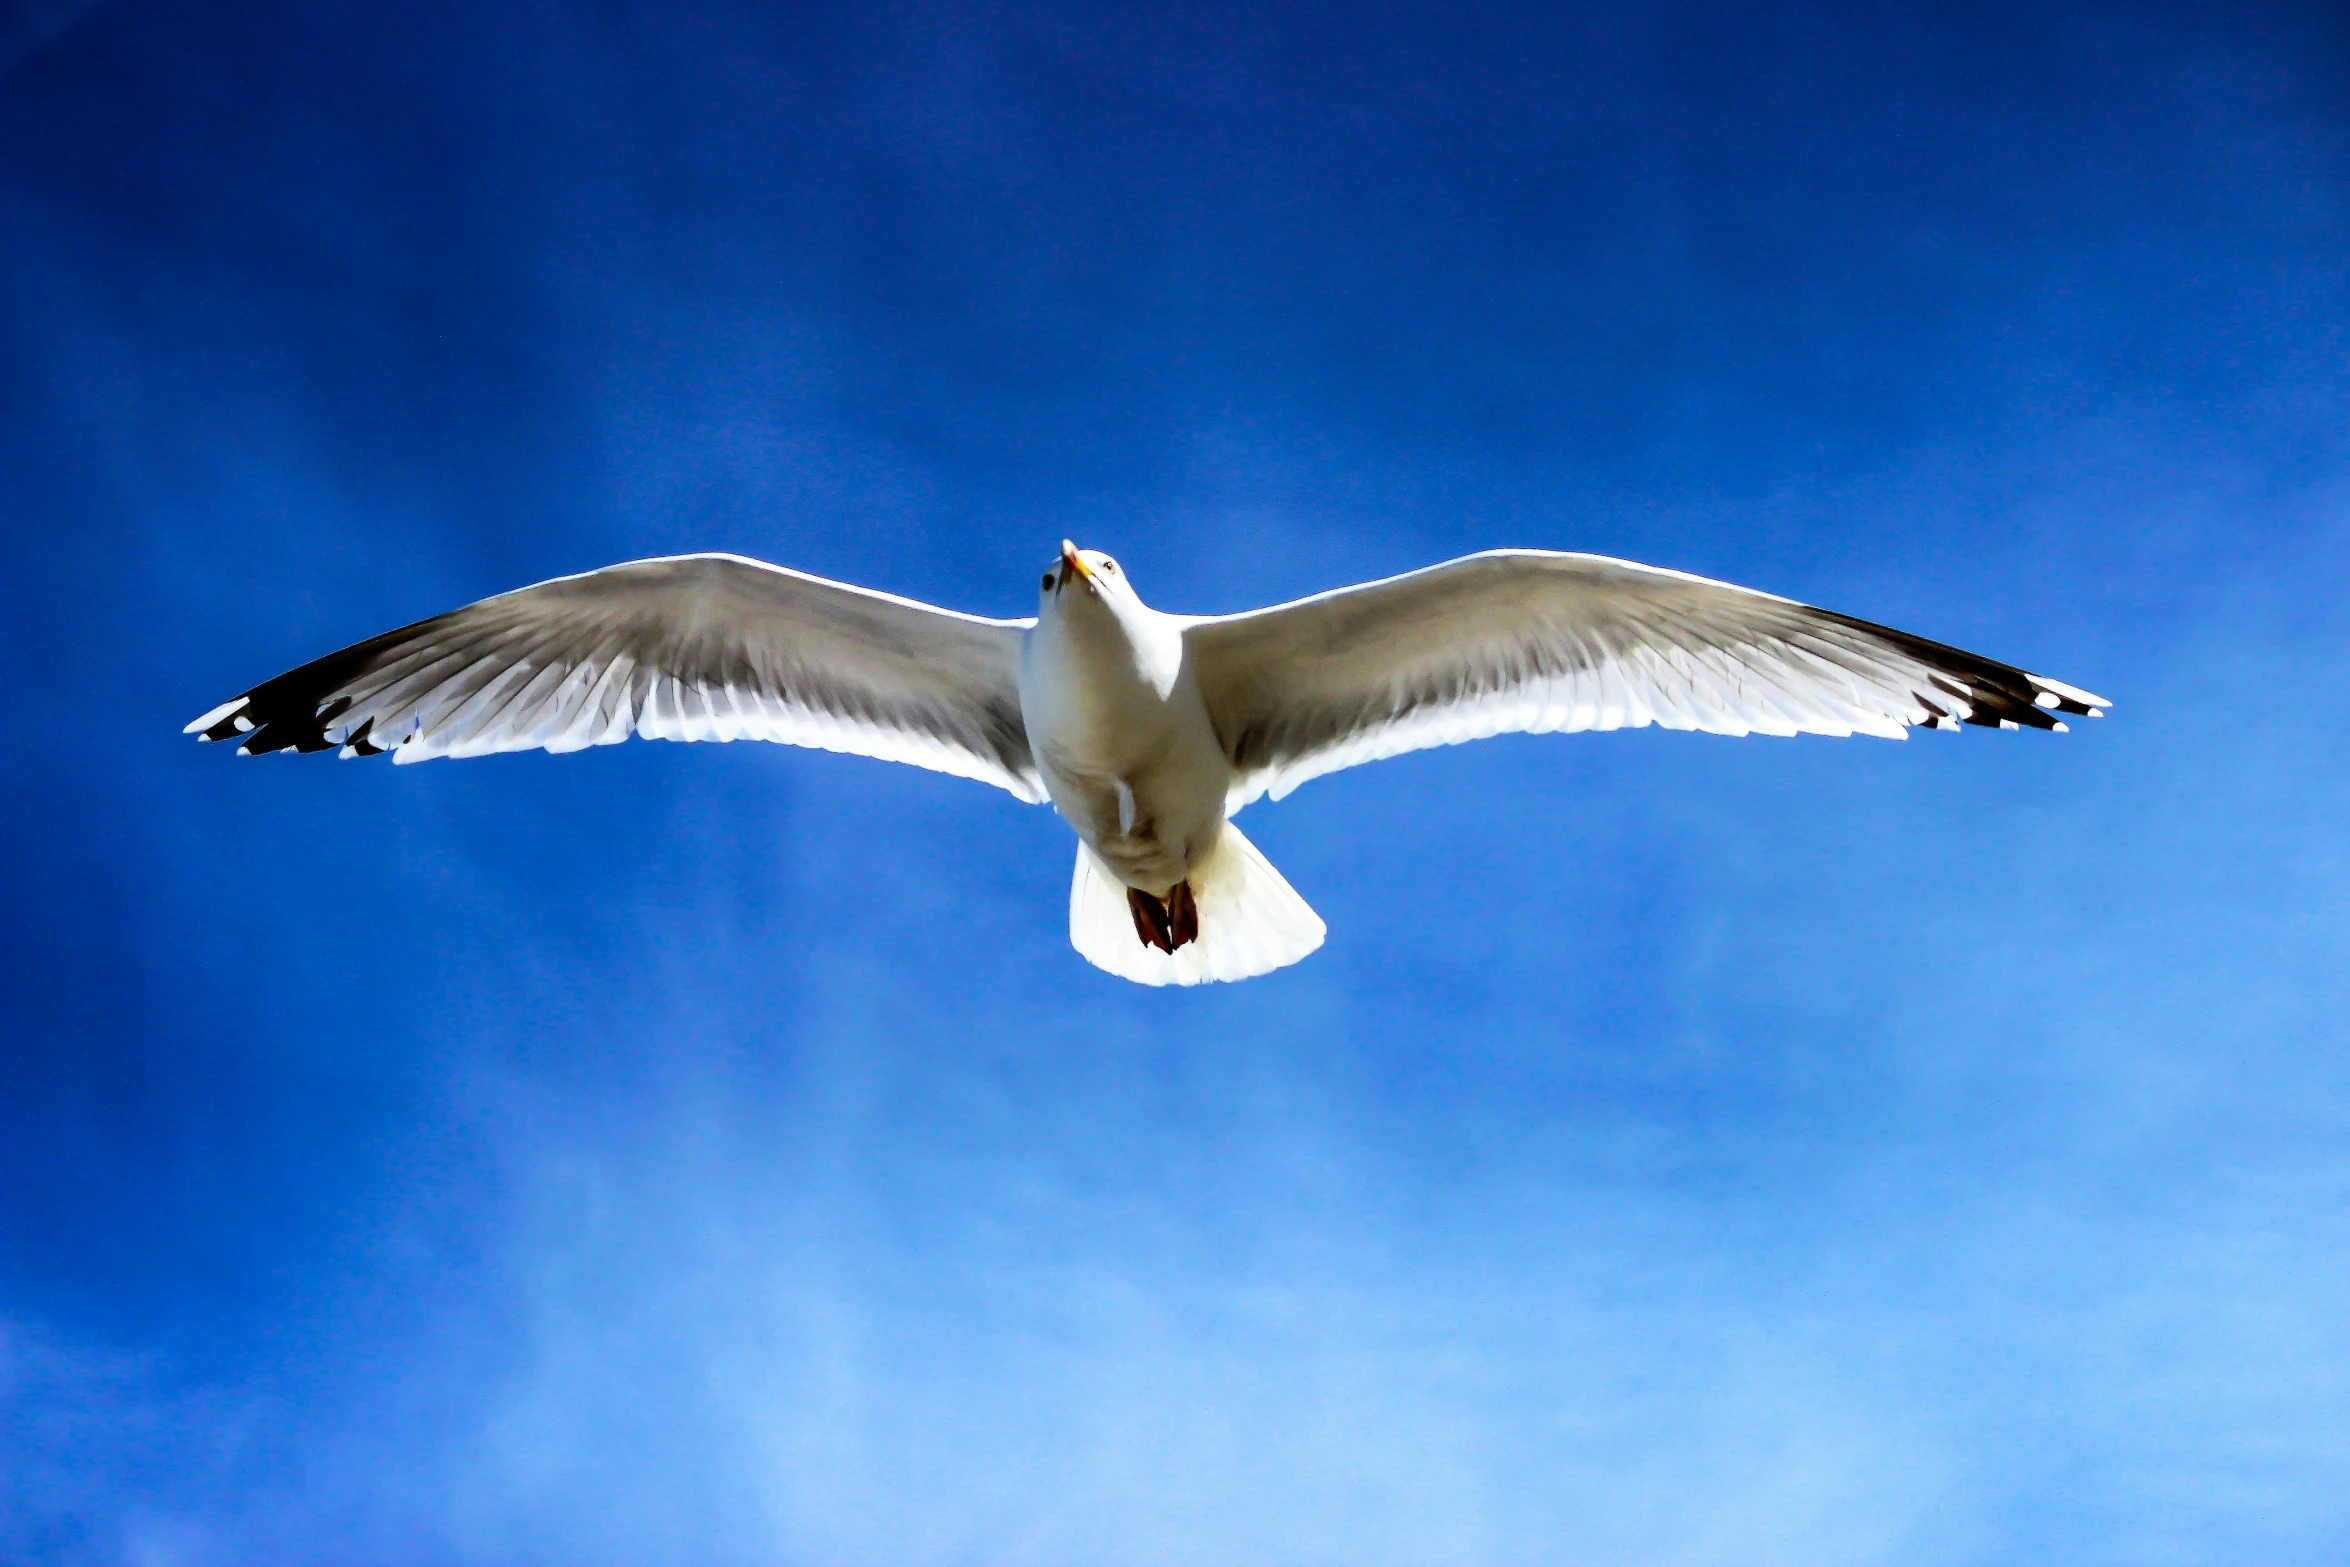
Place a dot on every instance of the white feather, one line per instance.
(1251, 921)
(691, 647)
(1529, 640)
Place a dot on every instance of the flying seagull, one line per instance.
(1145, 730)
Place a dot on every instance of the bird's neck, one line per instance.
(1123, 645)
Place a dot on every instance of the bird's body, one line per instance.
(1120, 732)
(1145, 730)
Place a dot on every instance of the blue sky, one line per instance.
(1685, 1150)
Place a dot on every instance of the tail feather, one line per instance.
(1251, 921)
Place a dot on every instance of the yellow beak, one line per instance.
(1071, 561)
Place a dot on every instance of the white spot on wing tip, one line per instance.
(2069, 693)
(207, 720)
(2062, 728)
(2047, 699)
(2009, 723)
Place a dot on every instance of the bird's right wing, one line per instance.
(1528, 640)
(690, 647)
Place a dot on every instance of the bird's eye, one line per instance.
(1109, 565)
(1048, 582)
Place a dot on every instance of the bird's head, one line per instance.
(1089, 605)
(1079, 580)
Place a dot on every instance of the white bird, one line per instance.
(1145, 730)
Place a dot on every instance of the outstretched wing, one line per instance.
(1527, 640)
(691, 647)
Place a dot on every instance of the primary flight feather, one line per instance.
(1145, 730)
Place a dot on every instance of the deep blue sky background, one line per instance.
(1685, 1150)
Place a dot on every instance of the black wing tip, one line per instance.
(2056, 695)
(1971, 689)
(260, 727)
(224, 722)
(266, 720)
(2007, 698)
(1993, 696)
(296, 711)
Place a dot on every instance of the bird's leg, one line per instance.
(1182, 915)
(1151, 920)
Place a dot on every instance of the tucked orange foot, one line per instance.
(1165, 923)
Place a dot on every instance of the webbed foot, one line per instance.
(1182, 914)
(1151, 922)
(1165, 923)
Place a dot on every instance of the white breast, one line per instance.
(1122, 738)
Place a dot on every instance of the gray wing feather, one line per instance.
(1531, 641)
(690, 647)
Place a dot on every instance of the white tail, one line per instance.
(1250, 920)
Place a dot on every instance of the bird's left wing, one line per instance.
(1528, 640)
(691, 647)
